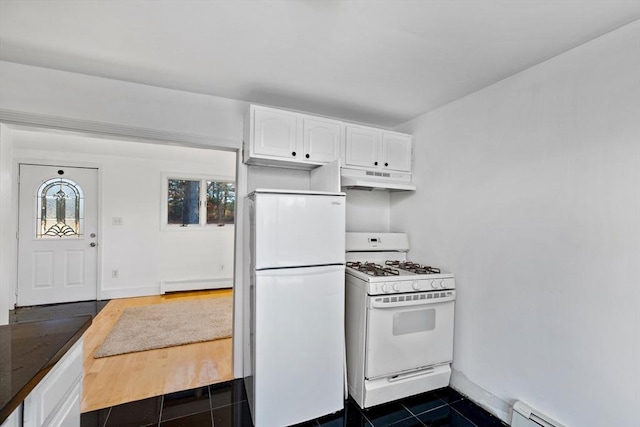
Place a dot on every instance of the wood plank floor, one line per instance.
(124, 378)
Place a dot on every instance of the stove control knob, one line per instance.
(385, 288)
(434, 284)
(396, 287)
(441, 284)
(416, 285)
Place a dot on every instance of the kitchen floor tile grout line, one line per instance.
(365, 416)
(106, 419)
(444, 404)
(210, 405)
(424, 412)
(162, 409)
(463, 416)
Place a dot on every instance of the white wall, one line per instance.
(529, 191)
(277, 178)
(131, 186)
(69, 95)
(368, 211)
(7, 230)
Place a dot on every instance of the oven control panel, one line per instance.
(405, 286)
(411, 299)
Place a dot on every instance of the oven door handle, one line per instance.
(394, 302)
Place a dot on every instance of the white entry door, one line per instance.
(57, 237)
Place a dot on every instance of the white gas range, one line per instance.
(399, 320)
(395, 276)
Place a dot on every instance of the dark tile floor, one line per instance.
(225, 405)
(55, 311)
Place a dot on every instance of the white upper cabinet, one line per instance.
(274, 137)
(290, 139)
(396, 151)
(321, 140)
(361, 146)
(275, 133)
(377, 149)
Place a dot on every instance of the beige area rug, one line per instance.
(168, 325)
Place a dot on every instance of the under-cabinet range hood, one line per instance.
(356, 179)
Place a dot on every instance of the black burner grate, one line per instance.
(413, 267)
(372, 269)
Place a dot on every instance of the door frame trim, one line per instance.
(96, 129)
(16, 212)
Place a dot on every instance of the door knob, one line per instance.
(92, 244)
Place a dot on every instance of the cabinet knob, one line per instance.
(293, 153)
(307, 156)
(375, 163)
(386, 164)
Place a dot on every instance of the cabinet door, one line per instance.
(15, 419)
(396, 151)
(54, 398)
(361, 147)
(321, 139)
(68, 415)
(275, 133)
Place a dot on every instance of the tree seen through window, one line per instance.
(200, 202)
(221, 202)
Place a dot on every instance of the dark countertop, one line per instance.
(28, 351)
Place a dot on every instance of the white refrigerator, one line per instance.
(295, 369)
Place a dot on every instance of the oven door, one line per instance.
(408, 332)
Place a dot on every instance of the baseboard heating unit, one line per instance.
(525, 416)
(195, 284)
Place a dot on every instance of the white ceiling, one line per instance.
(379, 62)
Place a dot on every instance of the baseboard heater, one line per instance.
(525, 416)
(195, 284)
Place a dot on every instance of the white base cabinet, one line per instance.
(15, 419)
(55, 401)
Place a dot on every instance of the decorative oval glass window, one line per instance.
(60, 209)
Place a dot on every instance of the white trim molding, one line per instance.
(15, 118)
(195, 284)
(480, 396)
(142, 291)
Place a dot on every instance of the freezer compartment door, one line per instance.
(292, 230)
(299, 345)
